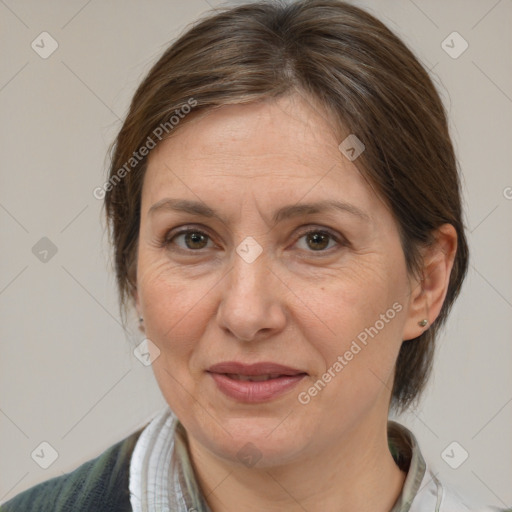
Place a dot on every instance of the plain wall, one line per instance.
(67, 372)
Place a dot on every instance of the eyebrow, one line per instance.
(285, 212)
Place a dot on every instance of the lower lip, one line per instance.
(254, 392)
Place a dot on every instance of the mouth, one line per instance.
(253, 378)
(254, 383)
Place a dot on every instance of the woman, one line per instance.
(285, 215)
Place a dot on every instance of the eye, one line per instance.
(191, 240)
(194, 240)
(319, 240)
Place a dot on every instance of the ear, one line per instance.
(136, 300)
(427, 293)
(135, 295)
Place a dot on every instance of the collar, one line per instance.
(162, 478)
(404, 447)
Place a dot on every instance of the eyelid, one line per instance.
(314, 228)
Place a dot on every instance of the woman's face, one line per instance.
(316, 297)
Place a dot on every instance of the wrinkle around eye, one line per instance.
(343, 235)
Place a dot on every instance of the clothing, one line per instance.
(160, 469)
(146, 472)
(98, 485)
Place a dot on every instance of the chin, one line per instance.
(259, 442)
(261, 452)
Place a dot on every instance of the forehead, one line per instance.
(286, 145)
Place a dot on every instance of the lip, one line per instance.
(245, 391)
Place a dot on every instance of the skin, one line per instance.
(296, 305)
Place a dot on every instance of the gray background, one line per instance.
(67, 372)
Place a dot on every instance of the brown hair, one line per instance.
(350, 63)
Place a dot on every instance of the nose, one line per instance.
(251, 306)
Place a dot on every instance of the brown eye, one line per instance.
(189, 239)
(196, 240)
(317, 240)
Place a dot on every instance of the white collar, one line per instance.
(157, 479)
(160, 464)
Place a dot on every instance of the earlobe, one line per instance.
(138, 309)
(428, 293)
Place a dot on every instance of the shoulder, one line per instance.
(100, 484)
(436, 496)
(453, 502)
(422, 490)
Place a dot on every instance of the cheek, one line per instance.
(351, 299)
(356, 369)
(172, 306)
(173, 309)
(363, 312)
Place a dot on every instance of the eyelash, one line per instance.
(170, 236)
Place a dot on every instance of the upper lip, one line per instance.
(263, 368)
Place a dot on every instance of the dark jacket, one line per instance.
(99, 485)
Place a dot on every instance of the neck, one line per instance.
(358, 473)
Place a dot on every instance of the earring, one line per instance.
(141, 319)
(423, 322)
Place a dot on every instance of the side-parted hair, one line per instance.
(362, 74)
